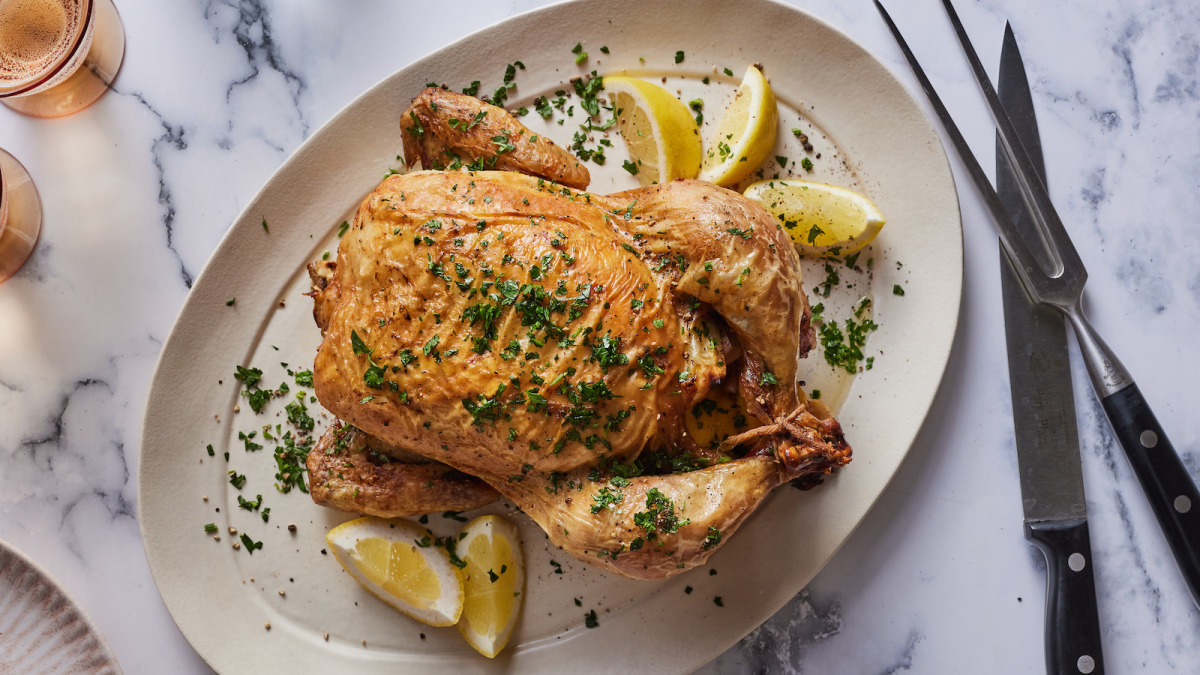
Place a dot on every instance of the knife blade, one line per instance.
(1047, 438)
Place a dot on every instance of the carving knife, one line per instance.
(1044, 412)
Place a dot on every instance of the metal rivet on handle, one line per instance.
(1085, 664)
(1183, 504)
(1149, 439)
(1076, 562)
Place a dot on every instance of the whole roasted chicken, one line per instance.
(503, 331)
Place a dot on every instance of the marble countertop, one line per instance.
(214, 95)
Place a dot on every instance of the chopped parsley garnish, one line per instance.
(250, 544)
(607, 352)
(649, 367)
(357, 344)
(844, 350)
(210, 528)
(248, 376)
(487, 315)
(629, 210)
(431, 345)
(417, 129)
(607, 498)
(631, 167)
(807, 164)
(679, 56)
(342, 229)
(247, 441)
(897, 290)
(236, 479)
(712, 538)
(510, 71)
(536, 402)
(503, 143)
(589, 619)
(832, 278)
(374, 375)
(257, 398)
(290, 462)
(659, 515)
(744, 234)
(298, 415)
(768, 378)
(485, 408)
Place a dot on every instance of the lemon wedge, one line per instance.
(745, 135)
(495, 582)
(823, 220)
(658, 129)
(398, 562)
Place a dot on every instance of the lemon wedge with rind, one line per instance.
(494, 579)
(658, 129)
(397, 561)
(823, 220)
(745, 135)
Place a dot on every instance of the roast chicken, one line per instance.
(505, 332)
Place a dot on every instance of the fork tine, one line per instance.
(1031, 274)
(1036, 196)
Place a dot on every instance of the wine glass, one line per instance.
(20, 215)
(58, 56)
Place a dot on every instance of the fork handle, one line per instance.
(1169, 488)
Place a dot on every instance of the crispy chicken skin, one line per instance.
(541, 339)
(448, 130)
(350, 471)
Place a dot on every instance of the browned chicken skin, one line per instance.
(550, 342)
(446, 130)
(351, 471)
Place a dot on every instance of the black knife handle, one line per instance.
(1168, 487)
(1072, 624)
